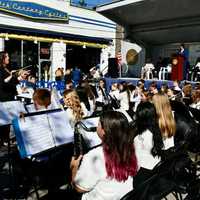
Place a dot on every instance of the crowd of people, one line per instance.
(128, 152)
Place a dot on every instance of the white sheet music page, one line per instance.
(4, 117)
(91, 138)
(36, 134)
(10, 110)
(61, 129)
(91, 122)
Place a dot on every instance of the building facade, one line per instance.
(48, 34)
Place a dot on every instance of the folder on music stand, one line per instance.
(42, 131)
(9, 110)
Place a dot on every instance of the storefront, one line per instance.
(49, 34)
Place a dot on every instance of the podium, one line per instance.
(177, 68)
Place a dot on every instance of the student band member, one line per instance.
(106, 172)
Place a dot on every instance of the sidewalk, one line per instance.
(16, 186)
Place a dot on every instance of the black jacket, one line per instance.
(7, 90)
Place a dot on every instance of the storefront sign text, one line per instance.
(32, 10)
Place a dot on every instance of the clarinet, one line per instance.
(78, 141)
(80, 146)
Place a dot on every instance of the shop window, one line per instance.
(45, 50)
(45, 70)
(13, 47)
(30, 53)
(30, 56)
(23, 54)
(84, 58)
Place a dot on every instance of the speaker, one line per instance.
(113, 70)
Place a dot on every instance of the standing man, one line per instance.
(185, 53)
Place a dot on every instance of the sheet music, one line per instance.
(4, 117)
(62, 131)
(91, 138)
(9, 110)
(35, 134)
(25, 95)
(31, 108)
(41, 132)
(91, 122)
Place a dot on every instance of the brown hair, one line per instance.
(42, 97)
(118, 147)
(3, 55)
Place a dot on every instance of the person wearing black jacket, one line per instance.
(8, 82)
(8, 79)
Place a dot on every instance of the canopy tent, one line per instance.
(156, 22)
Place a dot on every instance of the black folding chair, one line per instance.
(175, 174)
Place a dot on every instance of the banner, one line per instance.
(32, 10)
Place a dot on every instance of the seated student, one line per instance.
(53, 164)
(195, 99)
(25, 89)
(41, 100)
(82, 94)
(166, 119)
(124, 96)
(91, 94)
(150, 141)
(75, 109)
(106, 172)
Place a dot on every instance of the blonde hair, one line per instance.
(74, 104)
(166, 120)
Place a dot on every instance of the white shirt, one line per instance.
(91, 176)
(92, 106)
(114, 94)
(101, 97)
(196, 105)
(143, 145)
(124, 100)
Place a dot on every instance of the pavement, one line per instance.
(19, 179)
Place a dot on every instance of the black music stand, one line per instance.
(50, 164)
